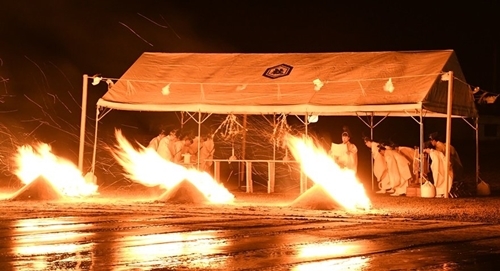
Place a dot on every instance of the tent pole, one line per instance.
(274, 139)
(242, 165)
(199, 140)
(303, 179)
(448, 131)
(371, 153)
(82, 122)
(477, 149)
(95, 140)
(421, 146)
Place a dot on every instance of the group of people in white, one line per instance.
(396, 167)
(184, 149)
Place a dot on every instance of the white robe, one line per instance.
(206, 150)
(154, 143)
(412, 156)
(166, 148)
(346, 155)
(380, 168)
(438, 172)
(398, 170)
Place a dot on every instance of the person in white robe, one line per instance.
(438, 168)
(206, 146)
(379, 166)
(166, 146)
(398, 170)
(182, 148)
(155, 142)
(439, 145)
(346, 153)
(411, 155)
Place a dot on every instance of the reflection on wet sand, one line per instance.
(192, 249)
(316, 251)
(353, 264)
(41, 244)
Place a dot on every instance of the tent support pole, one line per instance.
(82, 122)
(477, 148)
(199, 140)
(448, 132)
(421, 146)
(303, 177)
(274, 139)
(371, 153)
(94, 151)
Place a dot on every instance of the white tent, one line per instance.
(411, 83)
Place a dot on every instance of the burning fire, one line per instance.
(341, 184)
(61, 173)
(145, 166)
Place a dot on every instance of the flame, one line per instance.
(145, 166)
(33, 162)
(341, 184)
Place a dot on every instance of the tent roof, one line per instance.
(352, 83)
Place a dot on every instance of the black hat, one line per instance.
(434, 136)
(345, 131)
(381, 147)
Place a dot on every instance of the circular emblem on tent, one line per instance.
(278, 71)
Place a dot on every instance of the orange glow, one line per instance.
(145, 166)
(341, 184)
(40, 243)
(353, 264)
(171, 249)
(33, 162)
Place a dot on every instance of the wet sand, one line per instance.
(257, 232)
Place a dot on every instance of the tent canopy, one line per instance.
(399, 83)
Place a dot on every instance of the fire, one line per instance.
(33, 162)
(145, 166)
(341, 184)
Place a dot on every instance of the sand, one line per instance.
(315, 198)
(39, 189)
(184, 192)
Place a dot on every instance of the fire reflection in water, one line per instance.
(315, 252)
(55, 244)
(191, 249)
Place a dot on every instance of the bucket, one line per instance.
(427, 190)
(483, 188)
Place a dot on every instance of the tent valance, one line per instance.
(399, 83)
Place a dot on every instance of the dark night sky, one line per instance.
(94, 36)
(46, 46)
